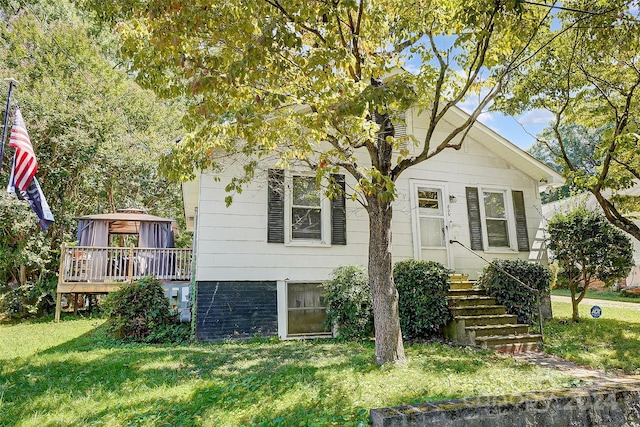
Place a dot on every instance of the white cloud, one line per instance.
(535, 117)
(411, 67)
(470, 104)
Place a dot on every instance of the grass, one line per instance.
(611, 343)
(72, 374)
(606, 295)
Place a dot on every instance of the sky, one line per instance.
(520, 130)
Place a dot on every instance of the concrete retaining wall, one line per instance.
(617, 405)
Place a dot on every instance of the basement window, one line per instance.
(306, 310)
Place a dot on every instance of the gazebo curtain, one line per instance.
(93, 233)
(155, 235)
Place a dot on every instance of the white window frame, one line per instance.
(325, 214)
(510, 218)
(283, 312)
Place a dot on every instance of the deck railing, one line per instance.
(113, 265)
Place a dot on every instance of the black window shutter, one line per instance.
(338, 214)
(275, 211)
(475, 221)
(521, 221)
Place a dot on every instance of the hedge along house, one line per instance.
(260, 262)
(100, 262)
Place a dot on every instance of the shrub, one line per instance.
(348, 300)
(422, 288)
(587, 248)
(28, 300)
(630, 293)
(508, 292)
(140, 312)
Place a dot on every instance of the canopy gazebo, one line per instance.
(94, 267)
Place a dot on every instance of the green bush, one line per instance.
(348, 300)
(508, 292)
(29, 300)
(628, 293)
(140, 312)
(422, 288)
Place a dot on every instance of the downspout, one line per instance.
(193, 285)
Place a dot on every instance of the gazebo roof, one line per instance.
(123, 216)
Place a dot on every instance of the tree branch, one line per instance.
(276, 4)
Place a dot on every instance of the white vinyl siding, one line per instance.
(232, 241)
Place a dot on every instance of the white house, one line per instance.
(260, 261)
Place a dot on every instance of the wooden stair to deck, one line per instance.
(478, 321)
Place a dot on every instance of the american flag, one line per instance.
(26, 165)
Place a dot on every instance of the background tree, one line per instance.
(590, 77)
(579, 144)
(587, 248)
(97, 135)
(316, 83)
(24, 257)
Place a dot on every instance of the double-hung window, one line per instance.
(299, 213)
(497, 219)
(306, 209)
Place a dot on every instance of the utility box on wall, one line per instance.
(179, 296)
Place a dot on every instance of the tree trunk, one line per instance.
(23, 274)
(575, 315)
(575, 302)
(389, 347)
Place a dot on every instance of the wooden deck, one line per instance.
(91, 270)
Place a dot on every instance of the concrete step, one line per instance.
(490, 319)
(477, 310)
(461, 285)
(505, 341)
(470, 300)
(461, 292)
(518, 347)
(497, 330)
(457, 277)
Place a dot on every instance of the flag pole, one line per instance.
(12, 82)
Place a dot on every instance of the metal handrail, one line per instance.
(511, 276)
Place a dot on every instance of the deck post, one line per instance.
(63, 257)
(58, 306)
(130, 272)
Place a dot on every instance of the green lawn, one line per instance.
(606, 295)
(71, 374)
(611, 343)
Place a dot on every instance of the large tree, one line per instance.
(96, 134)
(589, 77)
(317, 81)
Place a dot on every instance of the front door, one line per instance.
(429, 207)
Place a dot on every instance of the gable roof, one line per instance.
(508, 151)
